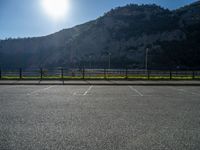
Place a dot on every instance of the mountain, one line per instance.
(123, 34)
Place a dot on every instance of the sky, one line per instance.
(32, 18)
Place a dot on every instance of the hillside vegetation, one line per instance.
(124, 33)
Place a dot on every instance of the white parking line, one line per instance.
(40, 90)
(135, 90)
(86, 92)
(185, 91)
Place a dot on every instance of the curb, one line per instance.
(107, 84)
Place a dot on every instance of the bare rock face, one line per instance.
(124, 33)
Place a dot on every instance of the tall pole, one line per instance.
(90, 61)
(109, 60)
(0, 73)
(146, 60)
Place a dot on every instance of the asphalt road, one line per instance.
(99, 117)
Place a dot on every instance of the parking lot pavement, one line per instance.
(99, 117)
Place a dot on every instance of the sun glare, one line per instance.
(56, 9)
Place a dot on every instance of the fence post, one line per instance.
(193, 75)
(41, 73)
(104, 73)
(83, 72)
(148, 74)
(126, 73)
(62, 73)
(170, 74)
(20, 73)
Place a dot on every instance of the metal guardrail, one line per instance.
(63, 73)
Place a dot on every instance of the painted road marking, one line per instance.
(135, 90)
(185, 91)
(40, 90)
(86, 92)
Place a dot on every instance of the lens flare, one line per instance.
(56, 9)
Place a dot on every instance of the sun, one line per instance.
(56, 9)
